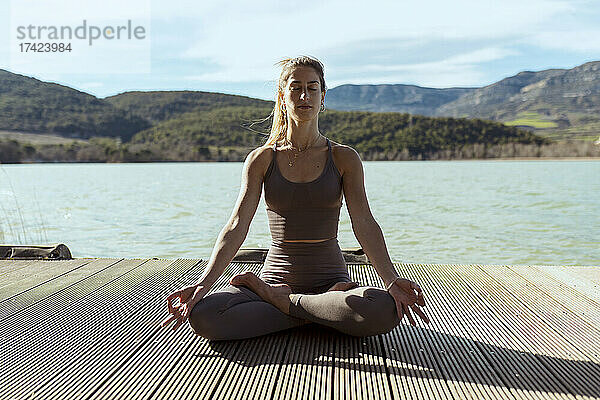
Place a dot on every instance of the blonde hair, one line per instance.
(279, 127)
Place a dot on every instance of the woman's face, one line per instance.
(302, 94)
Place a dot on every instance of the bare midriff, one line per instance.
(308, 241)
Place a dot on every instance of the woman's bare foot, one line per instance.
(343, 286)
(276, 294)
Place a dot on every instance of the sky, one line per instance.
(231, 47)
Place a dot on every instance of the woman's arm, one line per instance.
(407, 294)
(229, 241)
(235, 230)
(366, 229)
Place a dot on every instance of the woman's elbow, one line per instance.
(365, 227)
(235, 228)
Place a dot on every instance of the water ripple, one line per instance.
(442, 212)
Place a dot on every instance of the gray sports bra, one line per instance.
(307, 210)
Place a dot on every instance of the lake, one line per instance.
(485, 212)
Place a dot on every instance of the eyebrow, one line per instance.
(308, 82)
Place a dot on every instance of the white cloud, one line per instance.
(587, 40)
(431, 43)
(245, 42)
(458, 70)
(459, 60)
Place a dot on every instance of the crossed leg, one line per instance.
(254, 308)
(236, 312)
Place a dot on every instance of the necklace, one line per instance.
(300, 151)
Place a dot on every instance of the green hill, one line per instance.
(555, 103)
(30, 105)
(163, 105)
(197, 126)
(367, 132)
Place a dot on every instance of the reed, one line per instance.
(10, 215)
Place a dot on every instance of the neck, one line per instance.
(302, 134)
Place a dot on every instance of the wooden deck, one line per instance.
(89, 329)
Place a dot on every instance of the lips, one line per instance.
(305, 107)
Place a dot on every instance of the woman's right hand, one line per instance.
(187, 298)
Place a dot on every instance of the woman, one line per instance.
(304, 278)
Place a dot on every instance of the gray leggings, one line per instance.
(236, 312)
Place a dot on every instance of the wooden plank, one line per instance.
(48, 345)
(564, 325)
(567, 296)
(10, 265)
(322, 363)
(62, 301)
(239, 369)
(251, 372)
(478, 351)
(134, 368)
(195, 371)
(307, 366)
(525, 336)
(488, 324)
(414, 372)
(360, 358)
(436, 360)
(584, 279)
(18, 296)
(33, 273)
(200, 368)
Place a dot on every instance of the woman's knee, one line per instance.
(202, 319)
(215, 316)
(379, 312)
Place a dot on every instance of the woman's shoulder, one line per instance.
(259, 159)
(344, 157)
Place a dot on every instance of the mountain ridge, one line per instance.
(556, 103)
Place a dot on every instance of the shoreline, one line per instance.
(527, 159)
(235, 161)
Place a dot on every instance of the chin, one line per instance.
(306, 116)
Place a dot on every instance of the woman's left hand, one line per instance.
(408, 295)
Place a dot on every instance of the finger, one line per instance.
(168, 320)
(186, 310)
(421, 314)
(180, 321)
(399, 310)
(174, 315)
(416, 286)
(170, 299)
(420, 298)
(408, 298)
(409, 315)
(177, 324)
